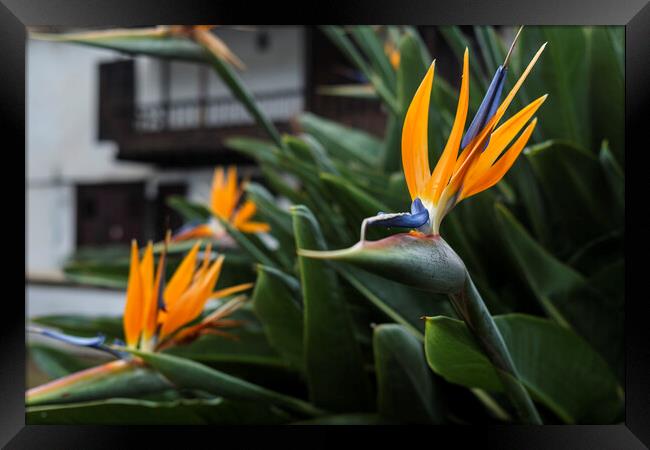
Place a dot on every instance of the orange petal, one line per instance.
(151, 305)
(231, 290)
(182, 277)
(444, 167)
(503, 135)
(147, 276)
(415, 149)
(216, 193)
(191, 303)
(494, 174)
(244, 213)
(255, 227)
(199, 231)
(132, 320)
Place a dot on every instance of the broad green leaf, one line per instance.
(113, 379)
(356, 204)
(401, 303)
(120, 411)
(581, 205)
(566, 295)
(185, 373)
(607, 89)
(281, 314)
(341, 141)
(406, 391)
(333, 361)
(559, 369)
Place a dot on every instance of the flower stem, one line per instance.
(470, 306)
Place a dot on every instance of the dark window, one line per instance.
(110, 214)
(116, 98)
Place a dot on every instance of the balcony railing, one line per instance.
(214, 112)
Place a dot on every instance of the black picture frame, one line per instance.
(15, 15)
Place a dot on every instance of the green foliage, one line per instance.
(333, 341)
(559, 369)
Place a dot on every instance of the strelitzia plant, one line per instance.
(421, 257)
(354, 341)
(225, 195)
(157, 315)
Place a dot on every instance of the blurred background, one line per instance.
(111, 137)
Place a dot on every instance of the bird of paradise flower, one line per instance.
(225, 195)
(157, 315)
(483, 158)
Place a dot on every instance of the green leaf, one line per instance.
(366, 91)
(279, 220)
(458, 42)
(120, 411)
(241, 92)
(356, 204)
(333, 361)
(280, 313)
(188, 374)
(113, 379)
(614, 174)
(406, 390)
(607, 89)
(401, 303)
(56, 363)
(190, 211)
(373, 48)
(342, 142)
(338, 37)
(566, 295)
(581, 205)
(248, 243)
(260, 150)
(561, 71)
(84, 326)
(346, 419)
(155, 45)
(559, 369)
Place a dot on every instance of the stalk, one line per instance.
(471, 308)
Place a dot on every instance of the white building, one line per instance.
(64, 153)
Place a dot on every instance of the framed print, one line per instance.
(406, 216)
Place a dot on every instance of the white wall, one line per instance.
(62, 149)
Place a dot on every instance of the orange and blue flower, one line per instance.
(483, 159)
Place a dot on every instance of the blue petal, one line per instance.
(416, 218)
(94, 342)
(488, 107)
